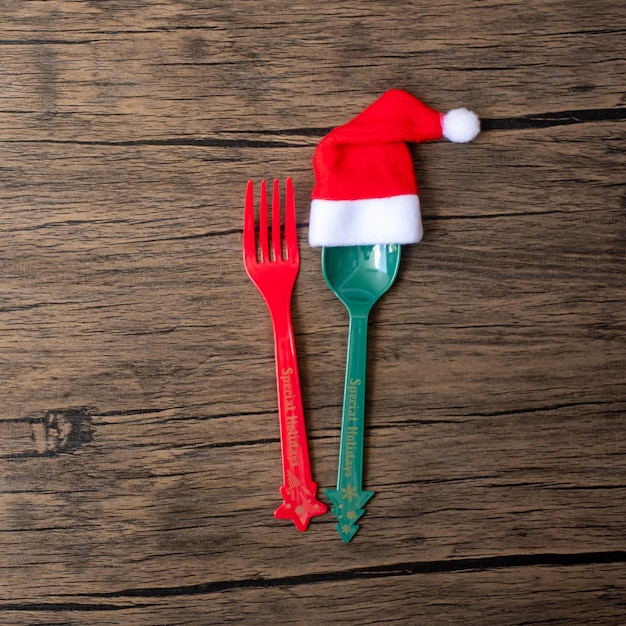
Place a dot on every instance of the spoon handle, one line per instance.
(348, 498)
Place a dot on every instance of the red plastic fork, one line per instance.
(274, 270)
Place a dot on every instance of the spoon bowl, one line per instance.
(360, 275)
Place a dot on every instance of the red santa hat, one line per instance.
(365, 191)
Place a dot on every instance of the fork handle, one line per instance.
(298, 490)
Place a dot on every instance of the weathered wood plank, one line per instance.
(129, 274)
(509, 594)
(181, 502)
(125, 75)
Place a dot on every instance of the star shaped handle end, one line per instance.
(300, 505)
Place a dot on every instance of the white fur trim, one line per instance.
(460, 125)
(365, 222)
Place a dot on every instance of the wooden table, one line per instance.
(139, 445)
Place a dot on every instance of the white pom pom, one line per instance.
(460, 125)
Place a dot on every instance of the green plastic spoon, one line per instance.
(358, 276)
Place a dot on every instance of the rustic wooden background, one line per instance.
(139, 458)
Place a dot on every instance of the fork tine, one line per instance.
(263, 226)
(291, 235)
(249, 243)
(277, 246)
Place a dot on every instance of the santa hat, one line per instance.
(365, 191)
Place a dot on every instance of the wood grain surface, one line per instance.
(139, 446)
